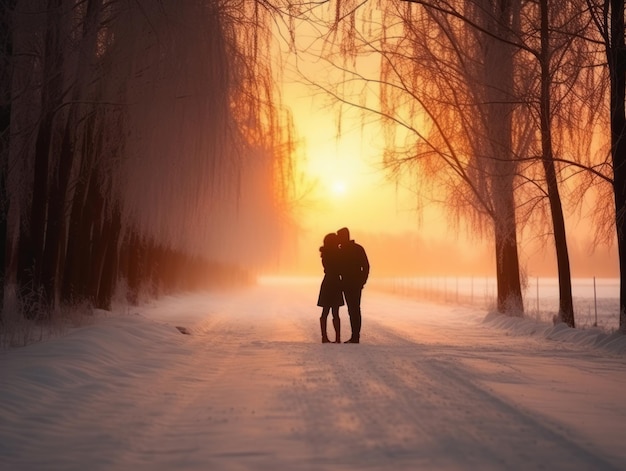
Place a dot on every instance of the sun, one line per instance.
(338, 187)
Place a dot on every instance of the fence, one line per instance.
(596, 300)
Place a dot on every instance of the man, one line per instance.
(354, 269)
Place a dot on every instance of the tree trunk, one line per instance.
(56, 222)
(500, 92)
(134, 260)
(94, 221)
(6, 53)
(616, 56)
(509, 298)
(104, 256)
(56, 234)
(32, 241)
(110, 263)
(77, 255)
(80, 261)
(566, 303)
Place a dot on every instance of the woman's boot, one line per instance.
(323, 327)
(337, 326)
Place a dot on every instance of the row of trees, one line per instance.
(128, 131)
(499, 107)
(138, 135)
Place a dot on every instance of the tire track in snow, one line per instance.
(394, 401)
(225, 413)
(208, 420)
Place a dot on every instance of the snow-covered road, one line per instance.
(252, 388)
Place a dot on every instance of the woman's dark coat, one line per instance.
(330, 290)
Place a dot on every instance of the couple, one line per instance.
(346, 269)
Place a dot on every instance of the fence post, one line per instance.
(537, 295)
(595, 302)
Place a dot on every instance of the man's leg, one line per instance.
(347, 297)
(353, 301)
(357, 317)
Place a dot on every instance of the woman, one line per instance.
(331, 296)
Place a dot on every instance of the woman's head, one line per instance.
(331, 240)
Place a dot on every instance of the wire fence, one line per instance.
(596, 300)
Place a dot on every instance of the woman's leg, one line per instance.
(337, 324)
(323, 319)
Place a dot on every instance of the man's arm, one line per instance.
(365, 265)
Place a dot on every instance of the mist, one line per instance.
(411, 253)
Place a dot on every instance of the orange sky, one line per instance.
(350, 189)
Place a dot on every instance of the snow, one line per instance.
(431, 386)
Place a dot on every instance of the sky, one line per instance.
(351, 188)
(346, 170)
(430, 386)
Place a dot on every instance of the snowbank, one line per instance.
(590, 337)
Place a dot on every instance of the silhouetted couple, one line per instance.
(346, 269)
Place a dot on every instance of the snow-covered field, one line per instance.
(596, 301)
(432, 387)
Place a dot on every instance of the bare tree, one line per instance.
(608, 16)
(554, 36)
(446, 101)
(545, 56)
(478, 85)
(153, 124)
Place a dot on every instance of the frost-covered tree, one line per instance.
(445, 97)
(141, 134)
(544, 49)
(563, 97)
(554, 98)
(475, 97)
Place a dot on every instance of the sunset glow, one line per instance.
(343, 182)
(351, 188)
(339, 188)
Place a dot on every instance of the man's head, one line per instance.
(344, 235)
